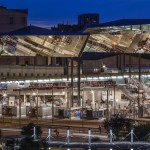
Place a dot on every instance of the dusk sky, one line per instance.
(51, 12)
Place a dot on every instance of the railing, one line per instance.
(142, 85)
(110, 144)
(127, 92)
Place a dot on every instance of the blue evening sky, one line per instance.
(51, 12)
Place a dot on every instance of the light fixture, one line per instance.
(92, 91)
(114, 43)
(104, 66)
(4, 95)
(34, 93)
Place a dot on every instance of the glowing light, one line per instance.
(114, 43)
(104, 66)
(92, 92)
(4, 95)
(34, 93)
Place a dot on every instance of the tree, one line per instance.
(27, 142)
(118, 123)
(28, 130)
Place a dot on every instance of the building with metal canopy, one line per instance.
(97, 68)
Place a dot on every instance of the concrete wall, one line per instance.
(33, 71)
(112, 62)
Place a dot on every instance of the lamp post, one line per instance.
(19, 108)
(37, 105)
(107, 104)
(52, 102)
(139, 112)
(4, 99)
(71, 83)
(130, 65)
(114, 99)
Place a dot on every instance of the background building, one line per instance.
(12, 19)
(88, 19)
(67, 28)
(83, 20)
(48, 74)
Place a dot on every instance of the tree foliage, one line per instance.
(117, 123)
(28, 130)
(27, 142)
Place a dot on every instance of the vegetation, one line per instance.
(27, 142)
(119, 125)
(28, 130)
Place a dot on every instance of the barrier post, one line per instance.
(34, 132)
(68, 135)
(89, 135)
(111, 136)
(132, 138)
(49, 135)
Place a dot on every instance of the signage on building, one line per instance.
(108, 83)
(47, 85)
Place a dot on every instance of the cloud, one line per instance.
(45, 24)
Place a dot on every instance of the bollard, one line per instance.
(111, 136)
(34, 132)
(68, 135)
(132, 138)
(49, 135)
(89, 134)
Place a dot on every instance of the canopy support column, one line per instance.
(79, 69)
